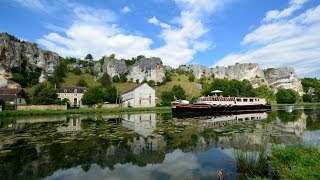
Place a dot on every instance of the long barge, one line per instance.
(217, 104)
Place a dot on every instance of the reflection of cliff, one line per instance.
(295, 128)
(143, 124)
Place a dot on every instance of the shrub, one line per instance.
(286, 96)
(191, 78)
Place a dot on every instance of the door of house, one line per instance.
(75, 102)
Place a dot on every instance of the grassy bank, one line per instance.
(296, 162)
(80, 111)
(299, 104)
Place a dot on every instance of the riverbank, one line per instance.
(9, 113)
(299, 104)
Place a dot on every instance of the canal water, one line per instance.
(146, 146)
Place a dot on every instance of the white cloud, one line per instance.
(276, 15)
(125, 9)
(155, 21)
(95, 31)
(294, 42)
(32, 4)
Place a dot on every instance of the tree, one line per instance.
(105, 80)
(99, 94)
(266, 92)
(88, 57)
(44, 94)
(307, 98)
(288, 96)
(82, 82)
(77, 71)
(3, 104)
(123, 78)
(115, 79)
(166, 97)
(112, 56)
(151, 83)
(191, 77)
(178, 92)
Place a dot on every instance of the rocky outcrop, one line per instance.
(248, 71)
(144, 68)
(276, 78)
(283, 78)
(25, 56)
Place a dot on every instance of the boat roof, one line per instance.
(216, 91)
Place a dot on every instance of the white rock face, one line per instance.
(3, 82)
(145, 68)
(248, 71)
(15, 53)
(284, 78)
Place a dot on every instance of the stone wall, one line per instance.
(42, 107)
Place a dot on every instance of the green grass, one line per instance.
(80, 111)
(183, 81)
(296, 162)
(252, 164)
(72, 79)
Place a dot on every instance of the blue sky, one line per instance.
(273, 33)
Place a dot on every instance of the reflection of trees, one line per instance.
(313, 119)
(289, 116)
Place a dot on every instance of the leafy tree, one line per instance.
(179, 92)
(265, 92)
(77, 71)
(82, 82)
(144, 80)
(140, 57)
(99, 94)
(168, 96)
(191, 77)
(44, 94)
(59, 73)
(123, 78)
(105, 80)
(288, 96)
(202, 79)
(307, 98)
(112, 56)
(230, 87)
(19, 78)
(3, 104)
(151, 83)
(88, 57)
(115, 79)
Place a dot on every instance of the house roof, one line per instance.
(132, 89)
(9, 94)
(72, 89)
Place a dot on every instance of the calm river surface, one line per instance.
(145, 146)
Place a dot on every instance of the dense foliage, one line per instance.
(311, 86)
(26, 77)
(191, 78)
(265, 92)
(230, 88)
(105, 80)
(286, 96)
(176, 92)
(82, 83)
(59, 73)
(100, 94)
(44, 94)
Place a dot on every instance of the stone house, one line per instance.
(73, 93)
(141, 96)
(15, 96)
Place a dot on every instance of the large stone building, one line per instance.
(141, 96)
(73, 94)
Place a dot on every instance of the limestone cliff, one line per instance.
(248, 71)
(15, 53)
(275, 78)
(144, 68)
(283, 78)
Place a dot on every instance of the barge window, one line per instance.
(239, 100)
(251, 100)
(245, 100)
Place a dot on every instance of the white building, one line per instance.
(73, 94)
(141, 96)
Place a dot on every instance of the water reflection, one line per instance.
(145, 146)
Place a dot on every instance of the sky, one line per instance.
(273, 33)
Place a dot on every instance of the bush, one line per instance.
(77, 71)
(191, 78)
(82, 83)
(286, 96)
(307, 98)
(123, 78)
(44, 95)
(115, 79)
(100, 94)
(168, 96)
(151, 83)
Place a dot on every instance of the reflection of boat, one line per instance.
(219, 104)
(221, 120)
